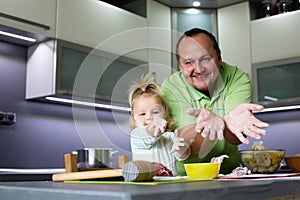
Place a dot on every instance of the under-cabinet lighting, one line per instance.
(18, 36)
(98, 105)
(84, 103)
(281, 108)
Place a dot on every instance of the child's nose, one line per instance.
(149, 117)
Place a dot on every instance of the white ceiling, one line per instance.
(204, 3)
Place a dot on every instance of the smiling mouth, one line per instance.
(200, 76)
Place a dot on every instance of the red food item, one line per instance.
(162, 170)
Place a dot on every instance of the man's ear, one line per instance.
(179, 67)
(219, 59)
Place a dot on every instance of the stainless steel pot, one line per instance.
(95, 158)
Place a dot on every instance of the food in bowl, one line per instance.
(262, 160)
(293, 162)
(258, 146)
(202, 170)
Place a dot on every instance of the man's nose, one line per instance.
(197, 66)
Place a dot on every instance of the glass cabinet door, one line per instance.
(277, 82)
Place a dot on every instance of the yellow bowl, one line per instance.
(202, 170)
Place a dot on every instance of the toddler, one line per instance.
(151, 137)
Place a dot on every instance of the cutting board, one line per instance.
(82, 175)
(183, 180)
(73, 173)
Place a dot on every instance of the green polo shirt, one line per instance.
(233, 88)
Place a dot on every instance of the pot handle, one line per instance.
(111, 156)
(112, 153)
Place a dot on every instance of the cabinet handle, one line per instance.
(24, 21)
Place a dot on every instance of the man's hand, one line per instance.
(242, 123)
(208, 124)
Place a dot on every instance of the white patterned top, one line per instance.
(153, 149)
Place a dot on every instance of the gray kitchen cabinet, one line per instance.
(234, 35)
(275, 37)
(95, 24)
(99, 27)
(277, 82)
(275, 54)
(66, 70)
(29, 15)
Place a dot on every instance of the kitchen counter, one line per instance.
(13, 174)
(266, 188)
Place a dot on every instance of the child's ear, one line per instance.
(132, 122)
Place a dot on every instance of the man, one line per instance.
(209, 101)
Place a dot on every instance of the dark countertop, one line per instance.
(211, 189)
(13, 174)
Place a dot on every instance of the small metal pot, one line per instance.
(95, 158)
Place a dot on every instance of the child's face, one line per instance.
(145, 108)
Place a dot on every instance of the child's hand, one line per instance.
(178, 142)
(180, 148)
(159, 125)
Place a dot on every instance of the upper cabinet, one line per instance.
(30, 15)
(275, 37)
(98, 52)
(276, 59)
(261, 9)
(98, 24)
(63, 69)
(235, 45)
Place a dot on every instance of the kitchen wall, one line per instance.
(44, 132)
(283, 132)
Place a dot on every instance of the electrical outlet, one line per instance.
(7, 118)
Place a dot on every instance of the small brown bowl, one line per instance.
(293, 162)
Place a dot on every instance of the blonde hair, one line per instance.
(147, 86)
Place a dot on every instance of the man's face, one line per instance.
(198, 61)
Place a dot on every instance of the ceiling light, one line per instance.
(196, 3)
(18, 36)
